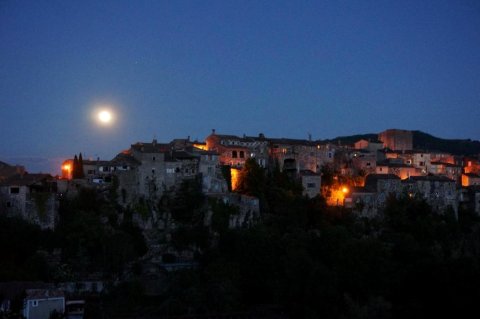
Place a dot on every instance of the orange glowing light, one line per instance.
(235, 174)
(201, 146)
(337, 196)
(66, 167)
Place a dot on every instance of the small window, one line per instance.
(234, 154)
(9, 204)
(34, 303)
(310, 185)
(153, 158)
(153, 171)
(242, 154)
(14, 190)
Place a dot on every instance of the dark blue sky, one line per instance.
(284, 68)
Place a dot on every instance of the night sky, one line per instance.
(173, 69)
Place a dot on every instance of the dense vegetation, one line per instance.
(92, 238)
(426, 141)
(307, 260)
(302, 260)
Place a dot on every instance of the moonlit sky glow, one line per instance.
(105, 116)
(173, 69)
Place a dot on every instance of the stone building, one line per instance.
(470, 179)
(372, 146)
(401, 170)
(368, 200)
(397, 140)
(41, 303)
(311, 183)
(235, 150)
(440, 192)
(470, 199)
(31, 197)
(452, 171)
(290, 154)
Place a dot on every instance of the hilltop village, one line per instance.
(360, 176)
(158, 209)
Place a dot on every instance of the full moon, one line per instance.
(105, 117)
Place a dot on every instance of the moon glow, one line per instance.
(105, 117)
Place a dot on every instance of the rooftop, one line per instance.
(43, 293)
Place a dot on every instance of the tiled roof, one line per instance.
(97, 162)
(307, 172)
(151, 147)
(26, 179)
(124, 158)
(43, 294)
(432, 178)
(472, 175)
(445, 164)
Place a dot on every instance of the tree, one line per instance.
(252, 179)
(75, 167)
(80, 166)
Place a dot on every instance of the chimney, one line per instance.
(213, 131)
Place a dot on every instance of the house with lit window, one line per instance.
(42, 303)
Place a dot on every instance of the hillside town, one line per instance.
(360, 177)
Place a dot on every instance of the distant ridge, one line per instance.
(426, 141)
(421, 141)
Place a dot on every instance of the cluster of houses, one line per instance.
(362, 177)
(365, 173)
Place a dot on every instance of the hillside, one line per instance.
(422, 141)
(426, 141)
